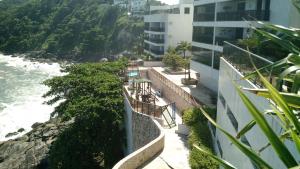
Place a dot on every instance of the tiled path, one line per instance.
(175, 153)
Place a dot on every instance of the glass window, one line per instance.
(245, 141)
(232, 119)
(220, 149)
(186, 10)
(202, 55)
(222, 99)
(217, 60)
(204, 12)
(203, 34)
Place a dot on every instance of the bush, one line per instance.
(201, 136)
(174, 61)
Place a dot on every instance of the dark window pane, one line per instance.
(204, 12)
(201, 55)
(203, 34)
(186, 10)
(245, 141)
(222, 99)
(232, 119)
(220, 149)
(217, 60)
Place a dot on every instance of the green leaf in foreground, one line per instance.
(245, 149)
(281, 150)
(222, 162)
(244, 130)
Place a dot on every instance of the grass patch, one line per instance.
(201, 136)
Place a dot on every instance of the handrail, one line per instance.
(144, 108)
(255, 55)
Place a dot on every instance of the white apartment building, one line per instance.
(121, 3)
(232, 114)
(166, 26)
(216, 21)
(138, 7)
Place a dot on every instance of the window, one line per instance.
(202, 55)
(222, 99)
(204, 12)
(220, 149)
(186, 10)
(203, 34)
(217, 56)
(245, 141)
(232, 119)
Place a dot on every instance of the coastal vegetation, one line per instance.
(200, 135)
(71, 29)
(91, 95)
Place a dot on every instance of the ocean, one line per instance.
(21, 90)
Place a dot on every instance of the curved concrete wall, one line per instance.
(145, 153)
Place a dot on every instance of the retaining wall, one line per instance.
(146, 139)
(169, 92)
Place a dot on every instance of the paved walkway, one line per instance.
(175, 153)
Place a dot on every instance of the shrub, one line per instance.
(174, 61)
(201, 136)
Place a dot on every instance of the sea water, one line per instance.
(21, 90)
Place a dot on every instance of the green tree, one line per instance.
(173, 60)
(185, 46)
(91, 95)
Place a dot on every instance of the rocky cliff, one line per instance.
(31, 150)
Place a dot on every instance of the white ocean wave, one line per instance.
(22, 104)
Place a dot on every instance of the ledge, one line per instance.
(144, 154)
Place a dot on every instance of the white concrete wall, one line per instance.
(209, 77)
(179, 27)
(255, 137)
(128, 126)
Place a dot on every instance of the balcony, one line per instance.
(203, 38)
(204, 17)
(241, 59)
(157, 52)
(155, 40)
(157, 29)
(219, 40)
(241, 15)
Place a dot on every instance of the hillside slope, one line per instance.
(74, 29)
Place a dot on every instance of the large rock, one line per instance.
(31, 150)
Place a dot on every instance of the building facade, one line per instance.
(216, 21)
(138, 7)
(121, 3)
(232, 114)
(166, 26)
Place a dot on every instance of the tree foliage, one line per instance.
(91, 95)
(68, 28)
(199, 135)
(173, 60)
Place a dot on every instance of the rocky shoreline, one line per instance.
(31, 150)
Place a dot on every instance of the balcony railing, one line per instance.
(156, 40)
(157, 29)
(203, 38)
(204, 17)
(241, 15)
(242, 60)
(220, 40)
(157, 52)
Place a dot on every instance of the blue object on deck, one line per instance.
(133, 73)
